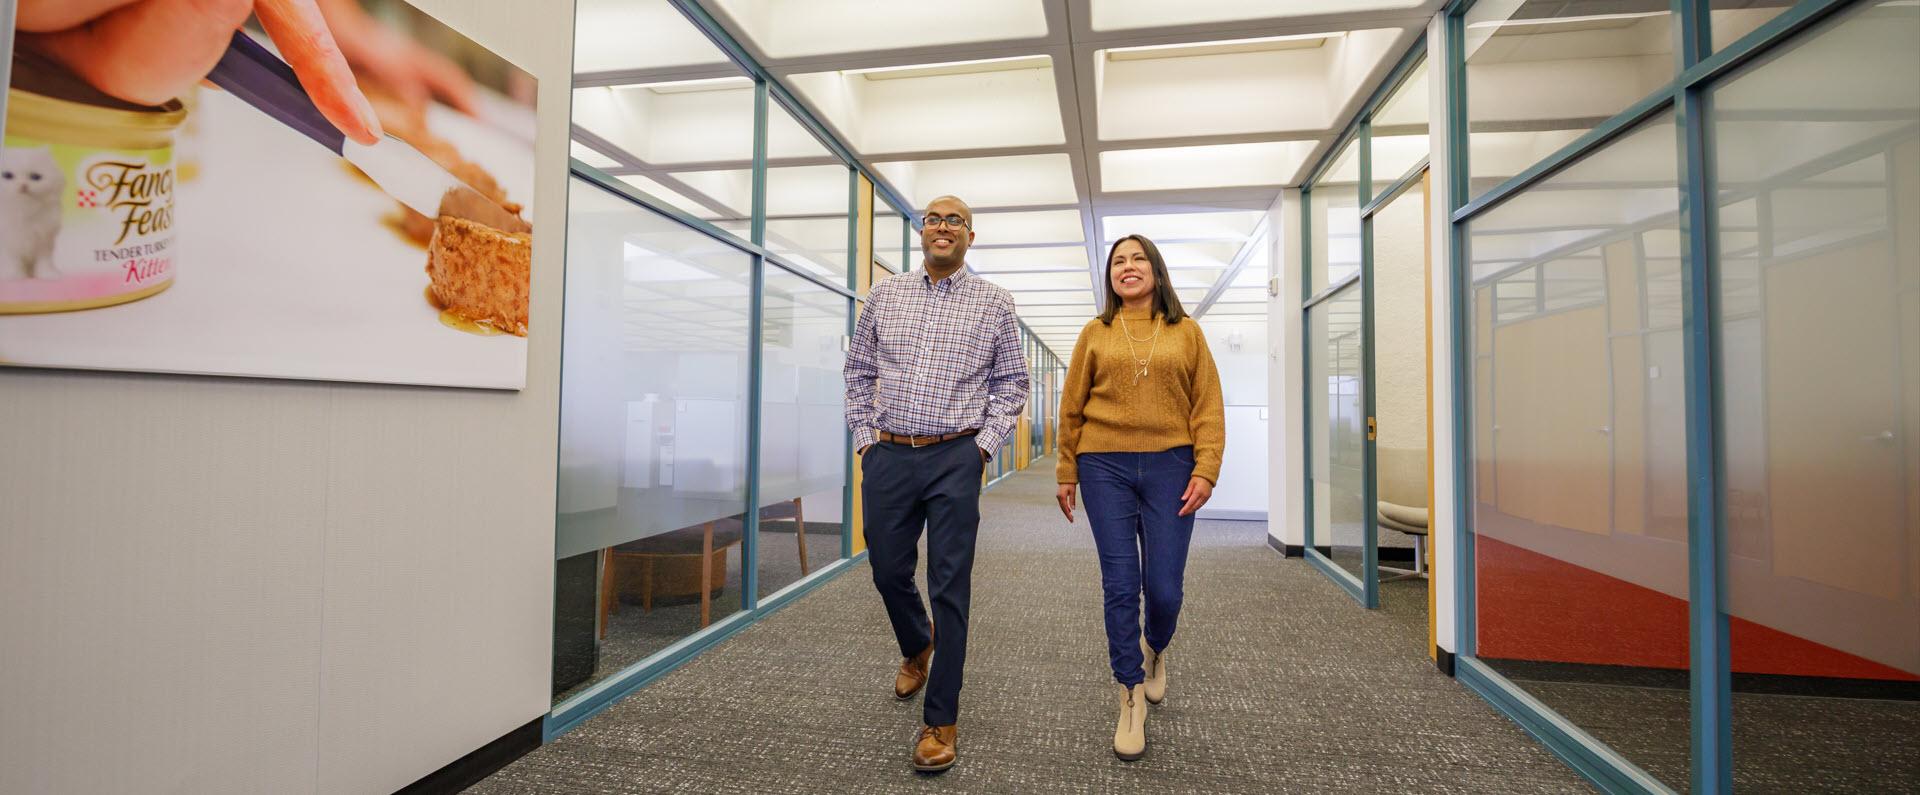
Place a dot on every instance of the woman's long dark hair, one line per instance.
(1165, 300)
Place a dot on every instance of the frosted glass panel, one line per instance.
(1819, 207)
(803, 431)
(653, 432)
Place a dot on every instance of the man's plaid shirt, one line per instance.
(930, 359)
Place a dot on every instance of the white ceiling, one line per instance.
(1064, 123)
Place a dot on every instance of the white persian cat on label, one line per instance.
(30, 188)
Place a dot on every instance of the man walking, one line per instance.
(936, 379)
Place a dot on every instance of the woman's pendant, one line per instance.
(1141, 374)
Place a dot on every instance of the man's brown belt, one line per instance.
(922, 441)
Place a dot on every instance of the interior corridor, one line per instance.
(1279, 683)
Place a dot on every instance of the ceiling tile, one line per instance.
(986, 182)
(614, 35)
(1070, 280)
(1183, 226)
(1006, 102)
(800, 28)
(1037, 226)
(1050, 258)
(699, 121)
(1219, 166)
(1136, 14)
(1212, 87)
(1199, 255)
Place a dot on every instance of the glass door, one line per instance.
(1342, 535)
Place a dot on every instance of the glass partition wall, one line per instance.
(1361, 224)
(1688, 384)
(713, 273)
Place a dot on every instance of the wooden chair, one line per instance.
(701, 543)
(790, 510)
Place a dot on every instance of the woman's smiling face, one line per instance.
(1131, 272)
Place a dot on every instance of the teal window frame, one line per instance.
(1365, 587)
(1697, 70)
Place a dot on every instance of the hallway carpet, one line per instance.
(1278, 683)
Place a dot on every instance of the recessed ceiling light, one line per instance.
(1509, 23)
(694, 86)
(952, 68)
(1305, 41)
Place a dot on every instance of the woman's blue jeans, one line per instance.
(1133, 506)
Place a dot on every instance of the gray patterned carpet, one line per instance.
(1278, 683)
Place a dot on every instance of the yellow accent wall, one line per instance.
(863, 282)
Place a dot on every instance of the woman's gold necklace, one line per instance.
(1153, 341)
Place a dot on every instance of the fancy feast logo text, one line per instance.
(142, 197)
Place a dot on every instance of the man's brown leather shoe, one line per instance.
(913, 674)
(936, 750)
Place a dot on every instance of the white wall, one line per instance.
(230, 585)
(1242, 490)
(1286, 506)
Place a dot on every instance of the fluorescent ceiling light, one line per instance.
(1135, 14)
(1305, 41)
(694, 86)
(1509, 23)
(952, 68)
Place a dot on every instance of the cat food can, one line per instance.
(86, 195)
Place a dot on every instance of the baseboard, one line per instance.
(481, 763)
(1443, 660)
(1231, 515)
(1286, 550)
(1676, 679)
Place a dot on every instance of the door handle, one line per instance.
(1373, 430)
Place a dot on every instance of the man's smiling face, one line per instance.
(945, 242)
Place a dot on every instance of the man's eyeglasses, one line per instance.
(955, 221)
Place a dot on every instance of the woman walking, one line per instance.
(1142, 428)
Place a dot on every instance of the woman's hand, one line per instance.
(151, 51)
(1198, 492)
(407, 68)
(1066, 500)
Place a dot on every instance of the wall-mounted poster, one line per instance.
(186, 194)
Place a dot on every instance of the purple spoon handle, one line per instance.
(261, 79)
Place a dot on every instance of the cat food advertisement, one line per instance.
(239, 198)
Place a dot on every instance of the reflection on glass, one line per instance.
(1400, 378)
(1580, 519)
(809, 195)
(1334, 215)
(653, 433)
(1338, 422)
(1542, 72)
(803, 455)
(1818, 158)
(889, 237)
(659, 130)
(1399, 137)
(1729, 20)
